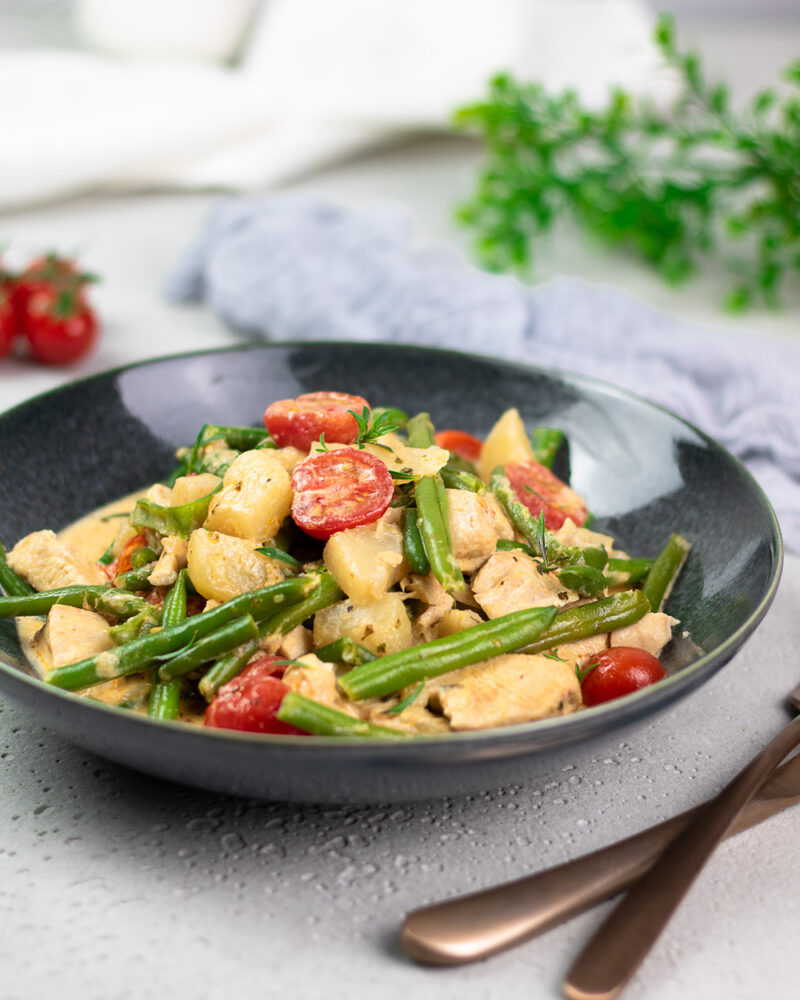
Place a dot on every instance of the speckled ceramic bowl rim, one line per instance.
(578, 725)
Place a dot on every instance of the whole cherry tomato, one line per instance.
(8, 323)
(299, 422)
(464, 445)
(542, 491)
(59, 324)
(339, 489)
(617, 671)
(250, 701)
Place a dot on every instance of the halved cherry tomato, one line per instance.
(339, 489)
(299, 422)
(617, 671)
(123, 561)
(464, 445)
(250, 701)
(541, 490)
(59, 324)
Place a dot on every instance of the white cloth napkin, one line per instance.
(317, 81)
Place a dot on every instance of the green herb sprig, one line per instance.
(672, 187)
(369, 430)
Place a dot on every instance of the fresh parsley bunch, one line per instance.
(672, 187)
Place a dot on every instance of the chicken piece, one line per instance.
(428, 590)
(570, 534)
(171, 560)
(69, 635)
(317, 680)
(652, 632)
(579, 653)
(502, 526)
(504, 691)
(414, 719)
(292, 646)
(472, 528)
(510, 581)
(46, 563)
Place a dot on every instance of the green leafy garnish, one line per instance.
(581, 673)
(401, 706)
(280, 556)
(673, 187)
(371, 429)
(554, 656)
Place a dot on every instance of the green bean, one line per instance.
(584, 580)
(326, 592)
(143, 556)
(180, 520)
(101, 597)
(138, 625)
(12, 584)
(135, 579)
(345, 650)
(413, 548)
(238, 438)
(140, 653)
(430, 659)
(435, 533)
(546, 442)
(629, 571)
(664, 572)
(461, 479)
(585, 620)
(420, 431)
(226, 668)
(320, 720)
(212, 645)
(165, 695)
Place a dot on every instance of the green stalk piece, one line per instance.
(11, 582)
(664, 572)
(181, 520)
(165, 696)
(584, 620)
(212, 645)
(546, 442)
(430, 659)
(413, 548)
(320, 720)
(141, 653)
(345, 650)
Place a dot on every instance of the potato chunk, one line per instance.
(255, 497)
(366, 561)
(188, 488)
(380, 625)
(222, 566)
(507, 441)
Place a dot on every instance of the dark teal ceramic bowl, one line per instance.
(644, 472)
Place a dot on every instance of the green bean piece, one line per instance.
(420, 431)
(584, 580)
(143, 556)
(165, 696)
(140, 653)
(430, 659)
(434, 530)
(78, 596)
(326, 592)
(460, 479)
(238, 438)
(174, 610)
(345, 650)
(664, 572)
(320, 720)
(136, 626)
(628, 571)
(413, 548)
(585, 620)
(212, 645)
(11, 582)
(226, 668)
(181, 520)
(119, 603)
(546, 441)
(135, 579)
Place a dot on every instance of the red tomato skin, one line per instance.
(620, 670)
(8, 324)
(299, 422)
(54, 338)
(250, 701)
(541, 490)
(464, 445)
(339, 489)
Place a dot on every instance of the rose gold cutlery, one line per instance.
(475, 926)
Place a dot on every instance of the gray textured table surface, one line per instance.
(116, 885)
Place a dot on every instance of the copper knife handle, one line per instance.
(483, 923)
(625, 937)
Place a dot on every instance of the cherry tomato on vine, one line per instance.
(52, 270)
(542, 491)
(59, 324)
(617, 671)
(464, 445)
(8, 323)
(299, 422)
(250, 701)
(339, 489)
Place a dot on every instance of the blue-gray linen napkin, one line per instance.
(291, 267)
